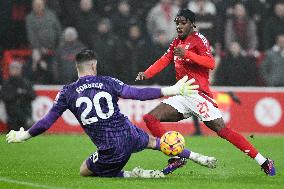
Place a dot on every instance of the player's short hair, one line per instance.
(85, 55)
(187, 14)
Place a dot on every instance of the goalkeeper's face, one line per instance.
(183, 27)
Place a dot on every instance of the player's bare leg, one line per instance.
(162, 113)
(84, 171)
(241, 143)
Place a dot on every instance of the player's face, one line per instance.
(183, 27)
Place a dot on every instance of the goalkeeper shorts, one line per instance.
(109, 160)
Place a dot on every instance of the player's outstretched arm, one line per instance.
(182, 87)
(154, 69)
(41, 126)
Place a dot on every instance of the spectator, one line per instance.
(122, 19)
(236, 69)
(160, 18)
(138, 48)
(85, 21)
(109, 48)
(141, 10)
(205, 12)
(105, 8)
(181, 4)
(43, 28)
(65, 69)
(12, 18)
(274, 25)
(38, 69)
(202, 7)
(273, 66)
(242, 29)
(17, 94)
(224, 11)
(160, 46)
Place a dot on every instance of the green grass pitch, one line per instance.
(53, 161)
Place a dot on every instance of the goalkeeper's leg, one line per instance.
(210, 162)
(137, 172)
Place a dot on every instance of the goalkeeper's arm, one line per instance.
(38, 128)
(182, 87)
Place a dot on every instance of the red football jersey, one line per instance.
(195, 43)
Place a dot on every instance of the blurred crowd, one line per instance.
(247, 37)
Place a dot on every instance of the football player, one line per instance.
(191, 55)
(93, 100)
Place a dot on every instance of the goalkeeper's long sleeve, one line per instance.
(129, 92)
(45, 123)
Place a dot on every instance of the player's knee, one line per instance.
(84, 171)
(152, 142)
(216, 125)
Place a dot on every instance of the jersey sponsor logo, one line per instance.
(178, 58)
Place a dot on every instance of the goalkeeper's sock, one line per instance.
(157, 146)
(154, 125)
(241, 143)
(185, 153)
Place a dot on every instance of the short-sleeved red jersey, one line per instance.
(194, 43)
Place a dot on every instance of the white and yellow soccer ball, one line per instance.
(172, 143)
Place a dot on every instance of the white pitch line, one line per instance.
(8, 180)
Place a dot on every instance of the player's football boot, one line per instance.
(173, 164)
(268, 167)
(210, 162)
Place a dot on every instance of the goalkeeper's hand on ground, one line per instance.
(183, 87)
(17, 136)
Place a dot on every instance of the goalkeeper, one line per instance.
(93, 100)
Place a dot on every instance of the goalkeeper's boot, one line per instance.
(268, 167)
(173, 164)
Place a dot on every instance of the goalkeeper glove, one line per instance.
(17, 136)
(182, 87)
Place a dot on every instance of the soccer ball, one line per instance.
(172, 143)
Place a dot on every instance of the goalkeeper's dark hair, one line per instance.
(85, 55)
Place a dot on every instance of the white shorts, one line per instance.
(199, 104)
